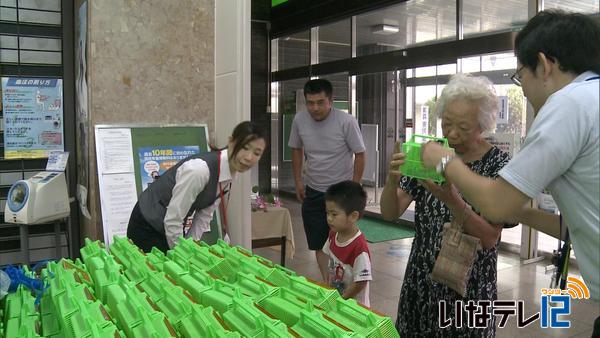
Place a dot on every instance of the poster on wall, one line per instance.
(154, 161)
(507, 142)
(33, 117)
(81, 109)
(126, 157)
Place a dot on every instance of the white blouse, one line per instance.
(191, 178)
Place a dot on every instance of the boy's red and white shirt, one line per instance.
(349, 262)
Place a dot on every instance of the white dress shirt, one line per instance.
(190, 180)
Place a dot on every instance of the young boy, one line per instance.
(349, 268)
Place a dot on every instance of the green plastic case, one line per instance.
(413, 164)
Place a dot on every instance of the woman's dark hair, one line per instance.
(348, 195)
(244, 133)
(572, 39)
(317, 86)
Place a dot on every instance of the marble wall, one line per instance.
(152, 61)
(149, 62)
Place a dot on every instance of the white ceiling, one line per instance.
(425, 20)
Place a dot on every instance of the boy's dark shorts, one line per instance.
(314, 218)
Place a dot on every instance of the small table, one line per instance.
(273, 227)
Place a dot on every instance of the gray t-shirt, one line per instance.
(562, 152)
(329, 146)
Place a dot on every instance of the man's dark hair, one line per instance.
(348, 195)
(572, 39)
(317, 86)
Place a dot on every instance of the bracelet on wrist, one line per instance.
(440, 168)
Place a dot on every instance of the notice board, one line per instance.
(128, 157)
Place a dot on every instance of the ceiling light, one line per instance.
(384, 29)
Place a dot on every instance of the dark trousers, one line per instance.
(314, 218)
(143, 234)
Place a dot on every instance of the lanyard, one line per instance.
(223, 202)
(593, 78)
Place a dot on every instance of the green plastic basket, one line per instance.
(128, 313)
(50, 325)
(90, 317)
(16, 303)
(274, 330)
(349, 313)
(201, 276)
(152, 325)
(24, 325)
(307, 290)
(251, 286)
(219, 297)
(154, 286)
(413, 164)
(177, 306)
(284, 305)
(203, 322)
(246, 264)
(104, 277)
(248, 320)
(139, 272)
(312, 324)
(174, 270)
(157, 258)
(91, 249)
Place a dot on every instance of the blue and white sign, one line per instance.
(154, 161)
(33, 117)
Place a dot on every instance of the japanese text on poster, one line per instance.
(154, 161)
(33, 117)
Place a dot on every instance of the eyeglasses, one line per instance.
(516, 77)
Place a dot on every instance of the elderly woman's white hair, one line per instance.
(477, 89)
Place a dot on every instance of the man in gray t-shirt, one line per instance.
(331, 144)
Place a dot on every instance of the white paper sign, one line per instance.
(118, 197)
(116, 178)
(114, 148)
(502, 117)
(57, 160)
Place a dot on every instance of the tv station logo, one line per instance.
(555, 307)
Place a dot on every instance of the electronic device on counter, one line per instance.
(40, 199)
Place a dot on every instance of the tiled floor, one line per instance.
(389, 259)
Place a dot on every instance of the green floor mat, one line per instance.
(377, 230)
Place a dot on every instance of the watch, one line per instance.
(440, 168)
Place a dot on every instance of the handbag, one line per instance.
(455, 259)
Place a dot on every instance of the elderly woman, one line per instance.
(468, 107)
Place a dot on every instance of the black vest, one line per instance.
(154, 200)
